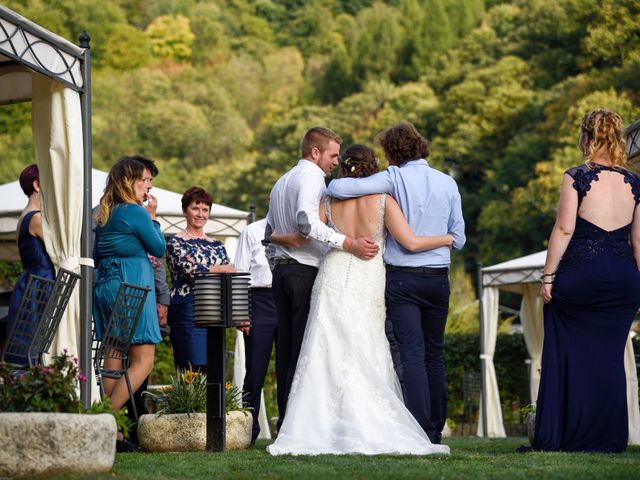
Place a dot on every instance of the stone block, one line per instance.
(181, 432)
(46, 443)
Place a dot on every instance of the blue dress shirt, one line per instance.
(429, 200)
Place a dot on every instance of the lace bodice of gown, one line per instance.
(589, 240)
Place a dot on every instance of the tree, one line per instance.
(171, 38)
(376, 44)
(127, 48)
(211, 44)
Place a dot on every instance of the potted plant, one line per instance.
(43, 425)
(180, 425)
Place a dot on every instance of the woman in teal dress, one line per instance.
(126, 234)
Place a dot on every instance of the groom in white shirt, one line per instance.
(294, 207)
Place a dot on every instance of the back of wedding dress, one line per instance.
(345, 397)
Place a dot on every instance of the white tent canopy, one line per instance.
(224, 222)
(522, 275)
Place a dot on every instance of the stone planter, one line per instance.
(44, 443)
(531, 427)
(181, 432)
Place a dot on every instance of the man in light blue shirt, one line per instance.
(417, 290)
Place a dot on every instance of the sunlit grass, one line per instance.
(470, 458)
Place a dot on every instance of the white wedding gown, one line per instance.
(345, 397)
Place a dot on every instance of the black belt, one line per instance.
(423, 270)
(286, 261)
(261, 289)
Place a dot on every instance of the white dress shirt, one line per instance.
(250, 256)
(294, 207)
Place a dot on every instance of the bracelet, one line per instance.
(548, 274)
(547, 283)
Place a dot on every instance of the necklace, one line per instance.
(202, 235)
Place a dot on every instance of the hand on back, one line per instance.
(363, 248)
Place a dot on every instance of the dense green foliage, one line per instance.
(220, 91)
(462, 355)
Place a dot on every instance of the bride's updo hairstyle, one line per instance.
(358, 161)
(603, 129)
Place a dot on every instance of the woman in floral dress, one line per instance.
(190, 252)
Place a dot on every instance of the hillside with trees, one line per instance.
(219, 92)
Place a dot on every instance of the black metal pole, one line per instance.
(86, 247)
(216, 430)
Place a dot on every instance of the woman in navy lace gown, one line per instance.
(188, 252)
(591, 291)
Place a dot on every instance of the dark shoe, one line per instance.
(525, 449)
(125, 446)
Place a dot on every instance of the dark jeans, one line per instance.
(292, 285)
(258, 345)
(141, 409)
(417, 307)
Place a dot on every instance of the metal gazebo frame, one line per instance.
(25, 46)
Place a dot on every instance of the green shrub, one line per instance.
(462, 354)
(187, 393)
(52, 388)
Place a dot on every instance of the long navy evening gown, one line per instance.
(582, 403)
(35, 261)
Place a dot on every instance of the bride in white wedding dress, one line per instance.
(345, 397)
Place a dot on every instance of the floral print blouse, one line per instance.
(186, 257)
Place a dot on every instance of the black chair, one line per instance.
(37, 318)
(118, 334)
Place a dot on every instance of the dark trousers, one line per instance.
(257, 346)
(417, 307)
(141, 409)
(292, 285)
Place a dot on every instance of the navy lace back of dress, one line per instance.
(582, 400)
(589, 240)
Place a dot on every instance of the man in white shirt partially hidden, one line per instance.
(294, 207)
(258, 341)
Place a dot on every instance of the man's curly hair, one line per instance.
(402, 143)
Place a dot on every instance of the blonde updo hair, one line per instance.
(603, 129)
(358, 161)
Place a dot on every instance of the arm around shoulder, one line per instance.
(401, 231)
(343, 188)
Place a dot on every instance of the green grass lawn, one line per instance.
(470, 458)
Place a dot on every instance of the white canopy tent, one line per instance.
(224, 222)
(54, 74)
(522, 275)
